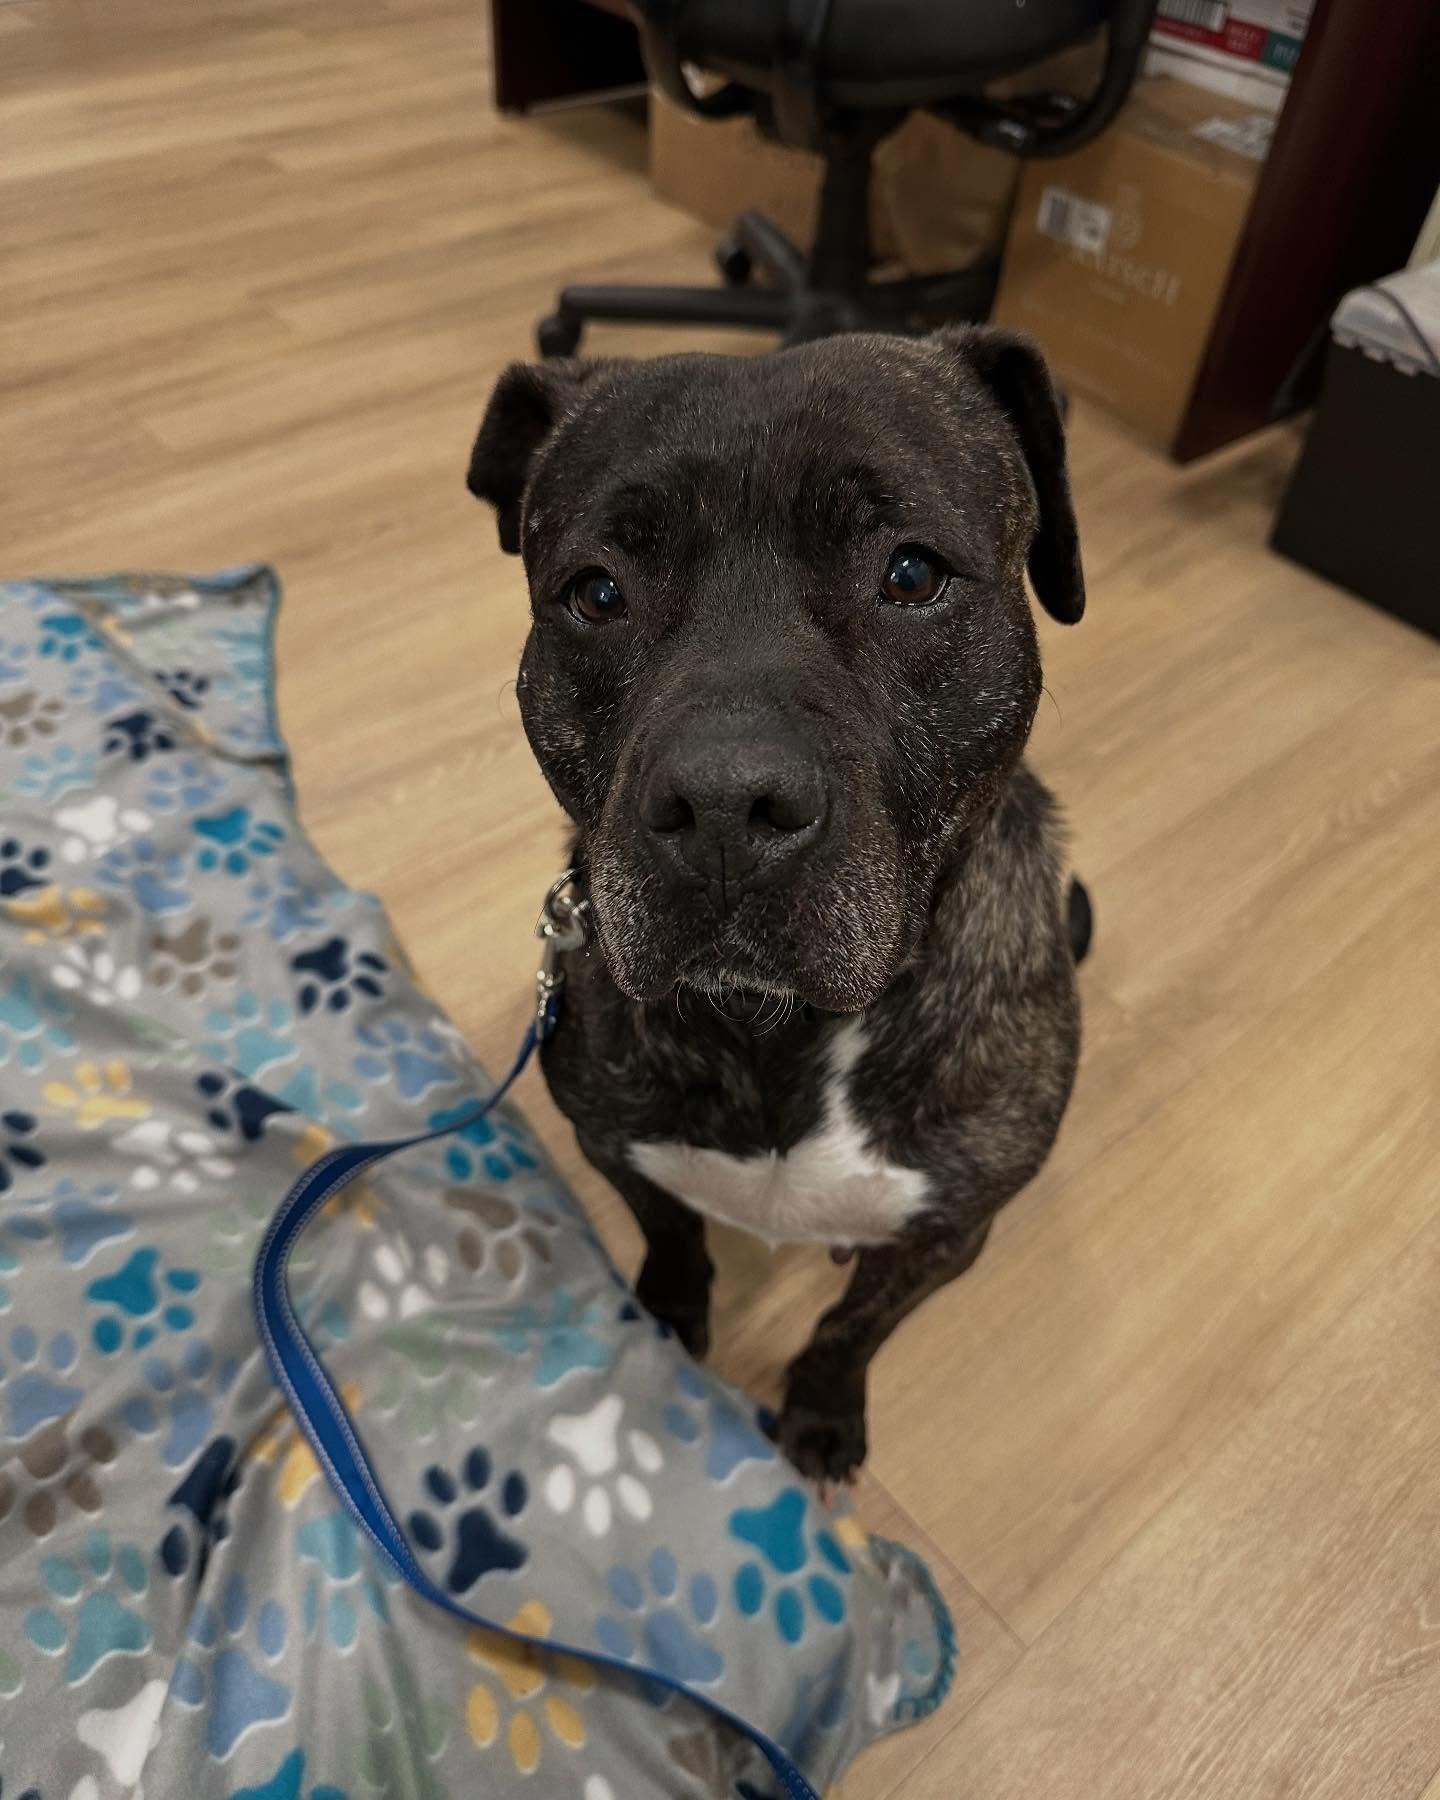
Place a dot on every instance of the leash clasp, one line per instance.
(564, 924)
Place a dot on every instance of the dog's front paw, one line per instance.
(825, 1444)
(692, 1329)
(688, 1318)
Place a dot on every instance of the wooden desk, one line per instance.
(547, 51)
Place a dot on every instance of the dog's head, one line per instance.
(782, 654)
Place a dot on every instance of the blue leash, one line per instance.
(323, 1419)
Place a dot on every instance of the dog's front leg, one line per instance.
(822, 1423)
(674, 1280)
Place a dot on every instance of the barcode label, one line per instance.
(1209, 15)
(1070, 220)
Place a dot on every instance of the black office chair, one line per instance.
(837, 76)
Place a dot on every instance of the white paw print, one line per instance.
(157, 601)
(880, 1698)
(394, 1291)
(592, 1440)
(178, 1154)
(97, 826)
(93, 972)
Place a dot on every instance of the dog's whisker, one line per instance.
(784, 1006)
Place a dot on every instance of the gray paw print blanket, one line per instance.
(192, 1009)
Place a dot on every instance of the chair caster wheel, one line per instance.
(559, 335)
(732, 259)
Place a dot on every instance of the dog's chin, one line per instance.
(746, 988)
(835, 944)
(740, 990)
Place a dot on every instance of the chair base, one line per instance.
(790, 301)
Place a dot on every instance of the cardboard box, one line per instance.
(938, 199)
(1118, 256)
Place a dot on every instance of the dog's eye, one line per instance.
(595, 598)
(915, 577)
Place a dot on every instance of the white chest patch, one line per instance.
(832, 1188)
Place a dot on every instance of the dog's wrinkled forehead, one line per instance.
(797, 452)
(692, 456)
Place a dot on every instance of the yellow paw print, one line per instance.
(56, 912)
(356, 1202)
(525, 1673)
(281, 1442)
(312, 1142)
(851, 1533)
(100, 1093)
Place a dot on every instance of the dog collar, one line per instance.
(564, 924)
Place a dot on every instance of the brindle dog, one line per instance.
(780, 676)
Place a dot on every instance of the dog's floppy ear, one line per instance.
(1013, 369)
(529, 401)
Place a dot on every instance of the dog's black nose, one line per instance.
(735, 804)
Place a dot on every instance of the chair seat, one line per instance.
(879, 53)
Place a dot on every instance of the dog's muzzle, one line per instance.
(734, 803)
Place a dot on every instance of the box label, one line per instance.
(1070, 220)
(1269, 32)
(1204, 15)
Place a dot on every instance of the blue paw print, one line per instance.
(562, 1338)
(102, 688)
(22, 869)
(233, 840)
(501, 1152)
(17, 1147)
(181, 1400)
(48, 775)
(288, 1783)
(735, 1437)
(219, 1673)
(332, 974)
(346, 1575)
(250, 1036)
(654, 1623)
(304, 1092)
(34, 1395)
(91, 1616)
(79, 1219)
(777, 1531)
(475, 1542)
(64, 635)
(235, 1107)
(181, 784)
(204, 1493)
(414, 1061)
(137, 735)
(139, 1299)
(285, 905)
(14, 655)
(154, 879)
(34, 1023)
(185, 687)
